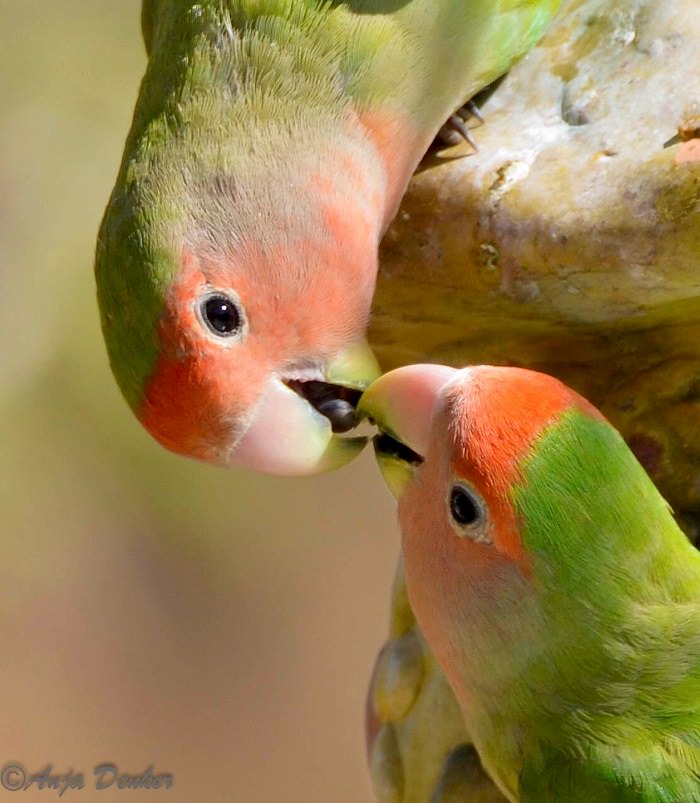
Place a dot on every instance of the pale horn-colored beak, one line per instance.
(401, 403)
(287, 435)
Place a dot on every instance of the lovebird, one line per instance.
(551, 580)
(270, 146)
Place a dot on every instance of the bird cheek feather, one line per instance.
(494, 488)
(506, 535)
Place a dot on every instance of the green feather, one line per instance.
(557, 777)
(614, 687)
(241, 97)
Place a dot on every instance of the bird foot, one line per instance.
(455, 130)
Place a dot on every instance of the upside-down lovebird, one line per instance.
(551, 581)
(271, 144)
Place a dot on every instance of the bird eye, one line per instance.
(463, 506)
(469, 513)
(222, 315)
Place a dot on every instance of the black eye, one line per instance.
(465, 509)
(221, 315)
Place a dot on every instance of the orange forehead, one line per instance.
(496, 415)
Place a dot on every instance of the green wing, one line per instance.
(556, 777)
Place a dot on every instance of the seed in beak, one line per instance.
(339, 412)
(335, 402)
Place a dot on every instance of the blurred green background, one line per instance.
(217, 625)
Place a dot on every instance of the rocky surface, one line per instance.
(569, 243)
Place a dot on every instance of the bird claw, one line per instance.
(456, 130)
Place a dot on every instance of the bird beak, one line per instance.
(295, 428)
(401, 403)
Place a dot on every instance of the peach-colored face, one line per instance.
(282, 321)
(484, 424)
(460, 533)
(299, 276)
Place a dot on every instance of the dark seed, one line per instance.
(336, 402)
(340, 413)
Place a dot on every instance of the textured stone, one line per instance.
(569, 243)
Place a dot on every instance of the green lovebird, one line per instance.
(270, 147)
(551, 580)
